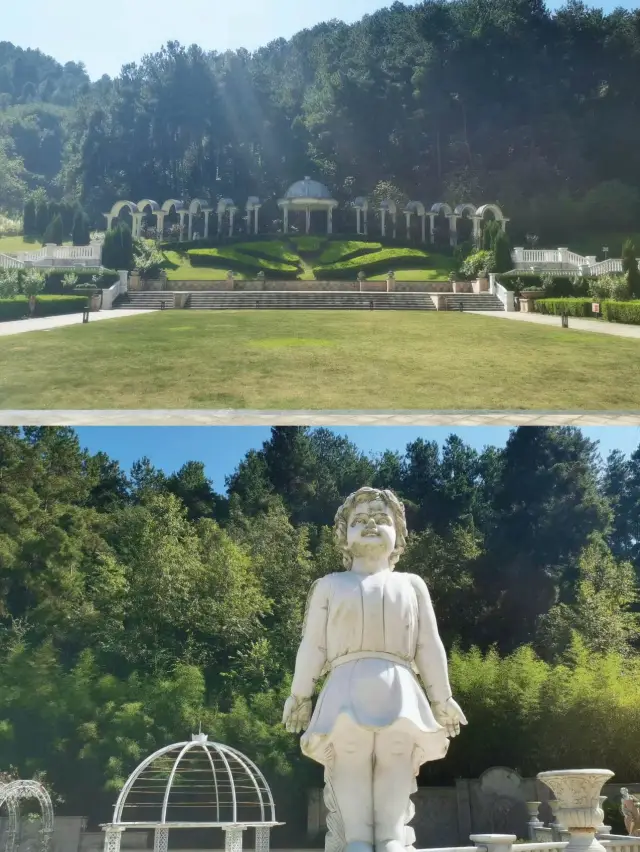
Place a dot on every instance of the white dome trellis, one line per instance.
(195, 784)
(10, 794)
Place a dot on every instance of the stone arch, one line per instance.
(466, 223)
(388, 206)
(490, 208)
(416, 208)
(146, 209)
(11, 793)
(117, 209)
(440, 226)
(199, 207)
(172, 204)
(226, 206)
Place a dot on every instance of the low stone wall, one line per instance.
(307, 286)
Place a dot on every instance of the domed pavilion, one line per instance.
(308, 196)
(195, 784)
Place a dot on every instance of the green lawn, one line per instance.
(12, 245)
(416, 275)
(179, 268)
(318, 360)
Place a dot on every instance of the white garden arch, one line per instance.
(10, 796)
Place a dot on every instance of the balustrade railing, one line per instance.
(8, 262)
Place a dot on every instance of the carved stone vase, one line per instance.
(578, 793)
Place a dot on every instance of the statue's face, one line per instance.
(371, 530)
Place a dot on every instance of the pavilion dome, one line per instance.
(192, 782)
(308, 188)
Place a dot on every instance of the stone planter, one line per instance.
(578, 793)
(95, 301)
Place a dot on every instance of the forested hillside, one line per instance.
(136, 605)
(481, 100)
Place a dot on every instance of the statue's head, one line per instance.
(371, 522)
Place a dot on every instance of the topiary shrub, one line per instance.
(557, 307)
(621, 312)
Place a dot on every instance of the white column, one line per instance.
(263, 839)
(384, 222)
(256, 226)
(286, 220)
(453, 230)
(190, 237)
(394, 218)
(207, 213)
(182, 215)
(160, 224)
(109, 219)
(232, 214)
(366, 222)
(308, 222)
(330, 221)
(424, 227)
(407, 217)
(432, 228)
(358, 213)
(161, 839)
(112, 837)
(233, 839)
(477, 231)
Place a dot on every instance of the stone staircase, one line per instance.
(147, 299)
(473, 302)
(310, 300)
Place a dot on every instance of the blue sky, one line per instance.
(222, 447)
(105, 35)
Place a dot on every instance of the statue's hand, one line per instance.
(450, 716)
(297, 714)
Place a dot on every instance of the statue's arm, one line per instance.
(431, 657)
(312, 653)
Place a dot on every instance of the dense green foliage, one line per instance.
(622, 312)
(381, 261)
(343, 249)
(117, 250)
(513, 102)
(133, 606)
(630, 269)
(54, 232)
(572, 307)
(46, 306)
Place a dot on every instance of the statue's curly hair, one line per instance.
(366, 495)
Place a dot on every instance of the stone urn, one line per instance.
(578, 793)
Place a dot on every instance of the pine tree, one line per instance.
(502, 253)
(81, 232)
(29, 223)
(54, 232)
(42, 218)
(630, 269)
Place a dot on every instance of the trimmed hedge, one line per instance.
(621, 312)
(270, 249)
(341, 250)
(46, 306)
(378, 262)
(237, 260)
(557, 307)
(308, 245)
(53, 281)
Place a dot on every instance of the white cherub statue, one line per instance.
(373, 632)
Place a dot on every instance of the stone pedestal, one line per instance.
(578, 793)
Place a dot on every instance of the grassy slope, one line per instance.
(11, 245)
(297, 359)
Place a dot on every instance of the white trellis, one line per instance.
(11, 794)
(214, 782)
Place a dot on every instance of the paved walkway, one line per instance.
(598, 326)
(49, 323)
(241, 417)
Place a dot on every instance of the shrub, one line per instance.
(308, 245)
(29, 218)
(56, 280)
(268, 248)
(42, 217)
(612, 287)
(502, 253)
(9, 283)
(46, 306)
(630, 269)
(344, 249)
(54, 232)
(557, 307)
(621, 312)
(81, 232)
(148, 258)
(379, 261)
(238, 261)
(117, 249)
(478, 264)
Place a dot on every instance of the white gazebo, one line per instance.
(308, 195)
(195, 784)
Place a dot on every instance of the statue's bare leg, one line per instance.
(352, 783)
(393, 784)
